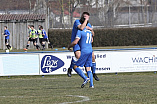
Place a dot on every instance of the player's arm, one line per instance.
(6, 33)
(82, 26)
(91, 29)
(3, 33)
(43, 33)
(73, 43)
(29, 34)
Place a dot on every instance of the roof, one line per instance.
(7, 17)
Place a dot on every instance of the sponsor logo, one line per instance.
(96, 56)
(97, 69)
(105, 68)
(50, 63)
(100, 56)
(145, 59)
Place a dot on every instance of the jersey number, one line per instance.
(89, 38)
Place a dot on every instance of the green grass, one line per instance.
(124, 88)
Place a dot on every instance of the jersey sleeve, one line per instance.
(89, 25)
(43, 32)
(29, 31)
(78, 35)
(6, 32)
(76, 23)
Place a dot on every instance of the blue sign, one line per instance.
(50, 63)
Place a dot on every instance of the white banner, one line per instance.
(106, 61)
(135, 61)
(58, 63)
(19, 64)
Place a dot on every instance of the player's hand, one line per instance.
(69, 48)
(88, 28)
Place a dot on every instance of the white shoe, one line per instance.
(91, 86)
(85, 82)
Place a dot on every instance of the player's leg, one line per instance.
(93, 68)
(90, 76)
(40, 41)
(88, 65)
(6, 43)
(81, 74)
(49, 43)
(35, 42)
(10, 47)
(77, 53)
(43, 44)
(83, 60)
(28, 43)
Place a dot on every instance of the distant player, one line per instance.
(80, 25)
(83, 39)
(32, 37)
(29, 28)
(45, 38)
(40, 35)
(6, 34)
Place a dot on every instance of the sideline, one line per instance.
(84, 98)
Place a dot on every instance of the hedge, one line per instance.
(109, 37)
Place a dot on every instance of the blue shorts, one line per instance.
(76, 48)
(85, 60)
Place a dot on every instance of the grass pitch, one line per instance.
(124, 88)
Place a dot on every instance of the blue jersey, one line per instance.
(44, 36)
(74, 32)
(85, 41)
(85, 37)
(6, 32)
(75, 29)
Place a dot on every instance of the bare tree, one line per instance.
(40, 7)
(73, 4)
(109, 11)
(30, 6)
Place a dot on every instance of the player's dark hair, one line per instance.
(32, 26)
(82, 19)
(5, 27)
(41, 27)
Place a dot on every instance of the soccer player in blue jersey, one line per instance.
(84, 39)
(45, 38)
(80, 25)
(6, 34)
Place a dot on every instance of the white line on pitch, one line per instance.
(85, 98)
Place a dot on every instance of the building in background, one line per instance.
(104, 13)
